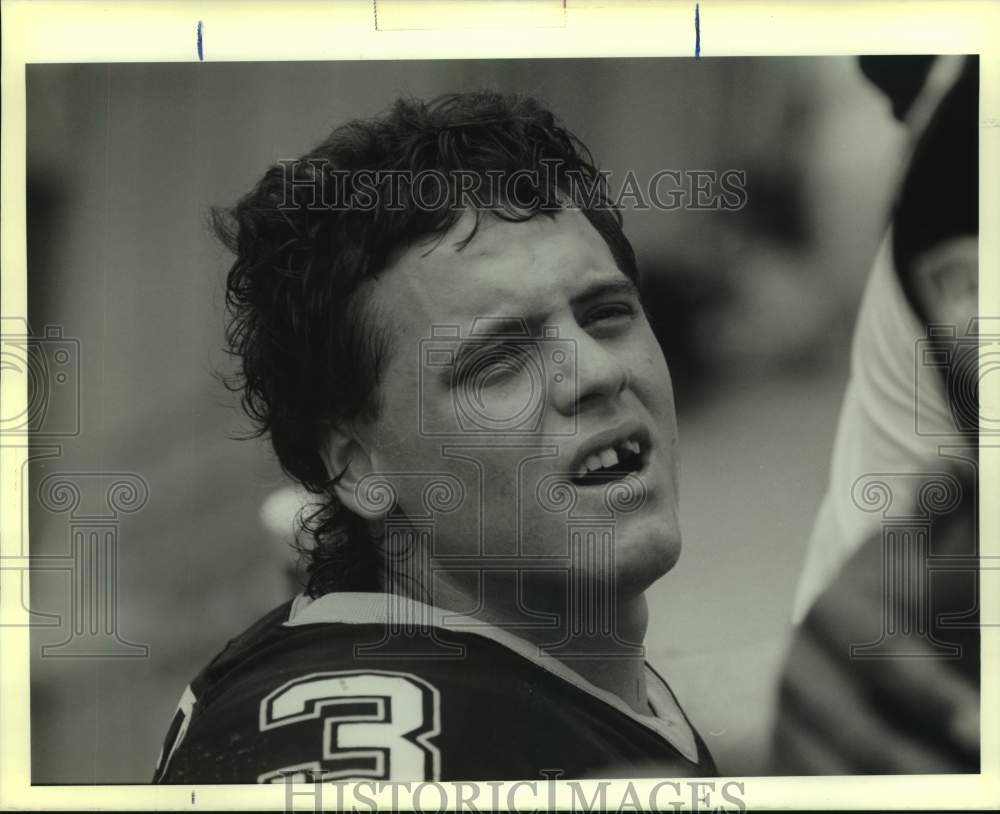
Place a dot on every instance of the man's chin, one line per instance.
(641, 563)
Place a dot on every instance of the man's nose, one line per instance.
(592, 374)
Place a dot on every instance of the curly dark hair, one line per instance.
(309, 353)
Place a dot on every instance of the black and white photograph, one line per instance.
(400, 421)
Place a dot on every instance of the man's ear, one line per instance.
(348, 461)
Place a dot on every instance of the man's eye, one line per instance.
(611, 314)
(492, 365)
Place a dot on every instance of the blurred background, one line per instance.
(754, 309)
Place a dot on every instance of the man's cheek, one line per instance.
(651, 374)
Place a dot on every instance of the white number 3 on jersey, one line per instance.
(376, 724)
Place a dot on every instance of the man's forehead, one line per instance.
(493, 233)
(507, 266)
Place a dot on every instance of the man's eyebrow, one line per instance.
(606, 288)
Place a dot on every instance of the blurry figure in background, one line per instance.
(925, 273)
(771, 290)
(883, 677)
(913, 709)
(280, 515)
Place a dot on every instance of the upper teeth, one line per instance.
(608, 457)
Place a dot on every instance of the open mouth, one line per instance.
(613, 462)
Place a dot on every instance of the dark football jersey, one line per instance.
(345, 687)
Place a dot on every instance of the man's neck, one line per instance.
(612, 660)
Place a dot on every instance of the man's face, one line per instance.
(519, 421)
